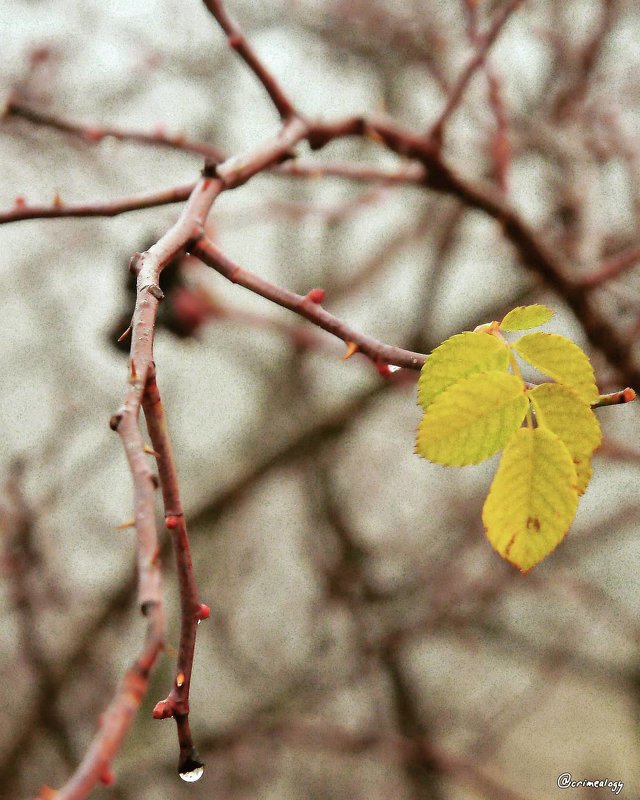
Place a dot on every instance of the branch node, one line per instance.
(115, 421)
(156, 291)
(134, 263)
(210, 169)
(162, 710)
(147, 607)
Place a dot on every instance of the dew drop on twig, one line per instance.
(192, 775)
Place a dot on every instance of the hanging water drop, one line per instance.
(192, 775)
(191, 769)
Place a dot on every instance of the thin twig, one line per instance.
(477, 60)
(109, 208)
(239, 42)
(94, 134)
(305, 306)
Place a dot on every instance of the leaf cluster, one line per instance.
(476, 403)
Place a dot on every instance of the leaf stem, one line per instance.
(518, 374)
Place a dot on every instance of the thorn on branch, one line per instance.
(147, 607)
(133, 375)
(124, 335)
(123, 526)
(352, 348)
(210, 169)
(150, 451)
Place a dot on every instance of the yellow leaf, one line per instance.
(524, 317)
(533, 498)
(472, 419)
(561, 360)
(459, 357)
(560, 409)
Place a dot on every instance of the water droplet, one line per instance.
(193, 775)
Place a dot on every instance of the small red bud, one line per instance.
(93, 134)
(316, 296)
(383, 369)
(160, 130)
(203, 612)
(107, 778)
(628, 395)
(235, 40)
(171, 522)
(162, 710)
(20, 201)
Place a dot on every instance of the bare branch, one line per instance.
(109, 208)
(306, 306)
(239, 43)
(483, 46)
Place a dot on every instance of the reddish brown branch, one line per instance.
(177, 703)
(303, 305)
(612, 267)
(30, 589)
(119, 716)
(109, 208)
(239, 42)
(94, 134)
(391, 746)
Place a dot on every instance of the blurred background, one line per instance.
(365, 640)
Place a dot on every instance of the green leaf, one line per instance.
(533, 499)
(524, 317)
(459, 357)
(561, 360)
(560, 409)
(472, 419)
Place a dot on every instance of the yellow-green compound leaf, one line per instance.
(561, 360)
(472, 419)
(533, 498)
(524, 317)
(560, 409)
(459, 357)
